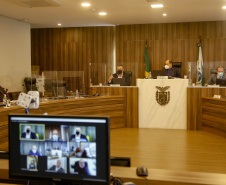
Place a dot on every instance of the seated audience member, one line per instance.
(32, 165)
(57, 168)
(34, 151)
(78, 136)
(55, 136)
(220, 75)
(28, 134)
(120, 74)
(81, 167)
(171, 71)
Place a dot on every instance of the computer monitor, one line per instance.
(120, 81)
(221, 82)
(59, 148)
(156, 73)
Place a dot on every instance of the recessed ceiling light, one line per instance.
(102, 13)
(85, 4)
(157, 5)
(164, 14)
(59, 24)
(224, 7)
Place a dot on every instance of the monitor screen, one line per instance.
(156, 73)
(60, 148)
(120, 81)
(221, 82)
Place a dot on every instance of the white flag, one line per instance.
(200, 72)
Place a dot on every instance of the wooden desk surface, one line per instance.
(155, 177)
(112, 106)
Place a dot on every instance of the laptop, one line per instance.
(156, 73)
(120, 81)
(221, 82)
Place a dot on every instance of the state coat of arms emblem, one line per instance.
(162, 96)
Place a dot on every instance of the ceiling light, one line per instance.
(102, 13)
(85, 4)
(164, 14)
(224, 7)
(59, 24)
(157, 5)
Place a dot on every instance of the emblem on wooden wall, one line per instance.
(162, 96)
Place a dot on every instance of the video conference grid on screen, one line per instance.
(56, 145)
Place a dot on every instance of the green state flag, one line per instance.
(146, 61)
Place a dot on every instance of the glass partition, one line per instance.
(61, 83)
(97, 74)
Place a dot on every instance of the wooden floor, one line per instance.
(179, 150)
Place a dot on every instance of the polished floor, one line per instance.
(179, 150)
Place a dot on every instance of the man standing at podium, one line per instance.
(120, 74)
(171, 71)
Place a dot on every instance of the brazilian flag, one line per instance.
(146, 61)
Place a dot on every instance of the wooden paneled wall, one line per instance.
(175, 41)
(75, 48)
(72, 49)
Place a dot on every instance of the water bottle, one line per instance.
(150, 74)
(76, 94)
(4, 99)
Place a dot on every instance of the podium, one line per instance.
(163, 103)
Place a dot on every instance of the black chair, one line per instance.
(177, 64)
(213, 71)
(130, 75)
(30, 84)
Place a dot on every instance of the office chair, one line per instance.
(177, 64)
(130, 75)
(59, 88)
(30, 84)
(213, 71)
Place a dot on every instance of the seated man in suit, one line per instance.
(28, 134)
(171, 71)
(81, 167)
(120, 74)
(220, 75)
(57, 168)
(78, 136)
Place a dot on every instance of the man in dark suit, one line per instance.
(78, 136)
(28, 134)
(220, 75)
(57, 168)
(170, 70)
(120, 74)
(81, 167)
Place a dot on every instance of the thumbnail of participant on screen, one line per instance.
(28, 134)
(29, 147)
(32, 131)
(34, 151)
(32, 163)
(81, 167)
(78, 136)
(57, 166)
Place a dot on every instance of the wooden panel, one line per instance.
(194, 102)
(214, 116)
(112, 106)
(131, 98)
(175, 41)
(72, 49)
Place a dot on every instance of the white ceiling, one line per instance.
(119, 12)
